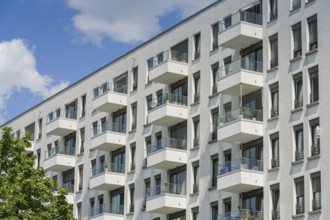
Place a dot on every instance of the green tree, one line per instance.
(25, 192)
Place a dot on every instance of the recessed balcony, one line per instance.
(108, 137)
(61, 122)
(60, 159)
(168, 110)
(240, 125)
(167, 153)
(242, 214)
(166, 199)
(168, 67)
(107, 177)
(240, 30)
(241, 175)
(110, 97)
(240, 77)
(107, 212)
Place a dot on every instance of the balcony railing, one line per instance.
(300, 207)
(298, 102)
(101, 209)
(240, 164)
(316, 149)
(69, 186)
(109, 87)
(316, 202)
(197, 97)
(241, 214)
(297, 52)
(112, 127)
(275, 162)
(167, 188)
(314, 96)
(296, 4)
(168, 98)
(275, 214)
(273, 15)
(299, 154)
(59, 150)
(313, 46)
(168, 55)
(238, 65)
(238, 17)
(237, 114)
(61, 113)
(113, 167)
(273, 112)
(196, 142)
(196, 188)
(167, 143)
(274, 62)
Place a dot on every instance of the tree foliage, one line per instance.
(25, 192)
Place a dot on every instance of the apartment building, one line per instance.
(222, 117)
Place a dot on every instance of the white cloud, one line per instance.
(18, 71)
(126, 21)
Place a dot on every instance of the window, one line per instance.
(296, 33)
(83, 106)
(133, 149)
(38, 157)
(68, 180)
(104, 126)
(312, 30)
(93, 167)
(132, 196)
(81, 177)
(274, 138)
(119, 120)
(148, 144)
(195, 213)
(135, 73)
(300, 195)
(299, 137)
(177, 216)
(215, 119)
(120, 83)
(82, 140)
(134, 115)
(117, 201)
(94, 128)
(315, 136)
(273, 43)
(79, 211)
(275, 193)
(197, 87)
(215, 68)
(92, 207)
(39, 128)
(214, 210)
(215, 31)
(149, 102)
(197, 46)
(227, 206)
(273, 10)
(274, 100)
(314, 84)
(298, 92)
(296, 4)
(71, 110)
(101, 204)
(196, 131)
(158, 180)
(195, 166)
(31, 130)
(147, 191)
(316, 188)
(215, 164)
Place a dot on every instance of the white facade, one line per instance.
(220, 122)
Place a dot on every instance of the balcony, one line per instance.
(240, 125)
(107, 177)
(241, 175)
(110, 97)
(166, 199)
(167, 153)
(108, 137)
(107, 212)
(242, 214)
(240, 30)
(240, 77)
(70, 187)
(61, 122)
(168, 67)
(60, 159)
(168, 110)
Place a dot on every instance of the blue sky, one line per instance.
(46, 45)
